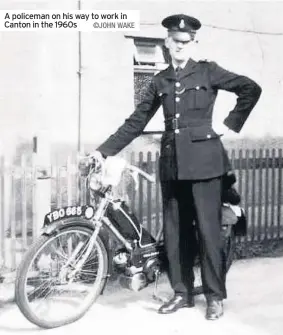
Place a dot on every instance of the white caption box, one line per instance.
(79, 20)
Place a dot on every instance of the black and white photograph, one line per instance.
(141, 167)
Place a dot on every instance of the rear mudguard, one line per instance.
(56, 227)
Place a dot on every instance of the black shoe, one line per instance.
(214, 309)
(175, 303)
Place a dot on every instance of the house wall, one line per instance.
(39, 89)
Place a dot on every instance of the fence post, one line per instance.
(42, 161)
(2, 211)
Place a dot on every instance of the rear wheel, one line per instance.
(48, 293)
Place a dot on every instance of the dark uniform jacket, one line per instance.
(190, 148)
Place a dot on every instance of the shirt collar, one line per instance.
(181, 66)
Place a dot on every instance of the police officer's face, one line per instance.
(179, 45)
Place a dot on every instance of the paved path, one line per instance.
(254, 307)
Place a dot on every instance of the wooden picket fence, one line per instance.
(259, 181)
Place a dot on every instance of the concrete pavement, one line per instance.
(254, 306)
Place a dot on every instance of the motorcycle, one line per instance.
(81, 247)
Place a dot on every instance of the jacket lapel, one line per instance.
(169, 73)
(189, 68)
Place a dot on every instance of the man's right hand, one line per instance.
(94, 158)
(97, 155)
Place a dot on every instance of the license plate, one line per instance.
(68, 212)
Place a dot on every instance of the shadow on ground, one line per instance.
(254, 307)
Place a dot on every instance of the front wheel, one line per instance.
(51, 294)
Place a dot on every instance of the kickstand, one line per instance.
(155, 295)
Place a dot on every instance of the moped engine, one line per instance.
(121, 259)
(136, 277)
(151, 267)
(134, 282)
(130, 276)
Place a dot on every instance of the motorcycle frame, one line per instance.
(100, 219)
(105, 200)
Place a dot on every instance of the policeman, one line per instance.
(192, 160)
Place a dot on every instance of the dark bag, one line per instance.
(127, 223)
(229, 193)
(232, 197)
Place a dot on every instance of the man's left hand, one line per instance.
(221, 129)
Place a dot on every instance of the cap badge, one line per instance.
(182, 24)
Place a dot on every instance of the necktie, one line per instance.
(178, 70)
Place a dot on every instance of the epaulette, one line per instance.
(205, 60)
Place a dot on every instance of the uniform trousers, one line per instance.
(190, 209)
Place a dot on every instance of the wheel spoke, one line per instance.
(58, 253)
(54, 293)
(38, 288)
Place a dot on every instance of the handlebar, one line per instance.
(114, 166)
(141, 172)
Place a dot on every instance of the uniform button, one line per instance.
(208, 136)
(177, 131)
(197, 88)
(178, 84)
(177, 115)
(177, 99)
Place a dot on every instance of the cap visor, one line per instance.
(180, 36)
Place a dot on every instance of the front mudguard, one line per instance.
(55, 227)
